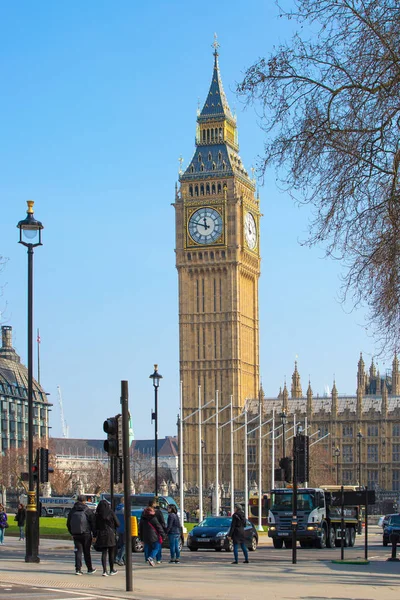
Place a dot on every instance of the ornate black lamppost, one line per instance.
(154, 417)
(337, 454)
(30, 235)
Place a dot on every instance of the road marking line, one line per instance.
(84, 597)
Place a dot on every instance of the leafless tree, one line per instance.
(331, 113)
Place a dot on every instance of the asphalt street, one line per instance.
(205, 574)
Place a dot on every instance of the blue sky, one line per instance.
(98, 102)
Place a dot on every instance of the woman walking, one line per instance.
(174, 533)
(106, 524)
(236, 533)
(3, 523)
(20, 517)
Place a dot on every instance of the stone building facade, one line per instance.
(14, 399)
(365, 428)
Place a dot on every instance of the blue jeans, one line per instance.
(174, 545)
(152, 550)
(236, 550)
(22, 532)
(2, 530)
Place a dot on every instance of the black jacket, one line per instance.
(20, 517)
(160, 517)
(174, 524)
(150, 530)
(81, 506)
(105, 530)
(236, 532)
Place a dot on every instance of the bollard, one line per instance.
(394, 538)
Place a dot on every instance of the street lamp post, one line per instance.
(337, 454)
(283, 417)
(154, 417)
(30, 235)
(359, 438)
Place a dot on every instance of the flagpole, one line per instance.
(38, 356)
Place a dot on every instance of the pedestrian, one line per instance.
(3, 523)
(106, 524)
(236, 534)
(174, 533)
(153, 503)
(151, 533)
(120, 557)
(81, 525)
(20, 517)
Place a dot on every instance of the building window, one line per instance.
(219, 188)
(372, 453)
(189, 256)
(323, 430)
(396, 452)
(347, 477)
(373, 479)
(347, 430)
(396, 430)
(199, 158)
(209, 156)
(191, 190)
(251, 454)
(396, 481)
(347, 453)
(372, 431)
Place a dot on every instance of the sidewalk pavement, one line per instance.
(215, 578)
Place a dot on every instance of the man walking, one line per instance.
(236, 533)
(81, 525)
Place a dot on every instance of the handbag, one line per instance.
(5, 525)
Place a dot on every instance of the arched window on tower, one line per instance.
(208, 135)
(213, 188)
(216, 134)
(204, 135)
(199, 157)
(223, 165)
(212, 135)
(201, 167)
(209, 156)
(208, 189)
(219, 188)
(192, 169)
(202, 190)
(190, 190)
(196, 190)
(219, 156)
(214, 166)
(220, 134)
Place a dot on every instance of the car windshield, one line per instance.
(223, 523)
(395, 520)
(283, 501)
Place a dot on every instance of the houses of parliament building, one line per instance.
(217, 250)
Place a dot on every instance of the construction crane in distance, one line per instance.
(64, 426)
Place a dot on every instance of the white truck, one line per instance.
(319, 518)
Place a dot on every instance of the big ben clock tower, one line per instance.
(218, 263)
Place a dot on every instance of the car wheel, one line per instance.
(193, 549)
(278, 544)
(218, 549)
(321, 542)
(137, 545)
(253, 545)
(347, 538)
(229, 547)
(330, 541)
(288, 544)
(352, 536)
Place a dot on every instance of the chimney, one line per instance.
(6, 336)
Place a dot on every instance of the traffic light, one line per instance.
(113, 443)
(44, 465)
(286, 465)
(117, 469)
(302, 458)
(35, 472)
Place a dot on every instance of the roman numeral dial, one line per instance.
(205, 225)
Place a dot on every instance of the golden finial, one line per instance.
(30, 204)
(215, 45)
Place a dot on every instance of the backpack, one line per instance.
(78, 523)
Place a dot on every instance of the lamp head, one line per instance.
(156, 377)
(30, 230)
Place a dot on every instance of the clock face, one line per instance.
(205, 225)
(250, 231)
